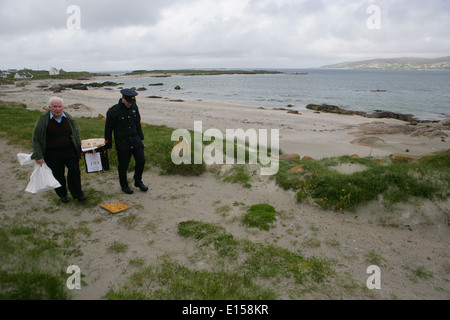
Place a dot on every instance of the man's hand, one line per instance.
(40, 162)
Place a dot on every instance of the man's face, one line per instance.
(56, 107)
(126, 103)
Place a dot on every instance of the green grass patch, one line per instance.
(251, 271)
(239, 174)
(35, 255)
(210, 235)
(158, 145)
(428, 177)
(171, 281)
(256, 260)
(31, 286)
(260, 216)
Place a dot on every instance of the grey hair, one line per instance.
(55, 98)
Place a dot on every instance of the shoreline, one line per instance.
(306, 132)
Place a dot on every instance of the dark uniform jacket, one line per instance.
(126, 124)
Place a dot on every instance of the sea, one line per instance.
(424, 94)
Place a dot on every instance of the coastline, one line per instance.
(305, 132)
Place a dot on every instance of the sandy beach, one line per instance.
(308, 133)
(422, 240)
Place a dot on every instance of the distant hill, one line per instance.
(442, 63)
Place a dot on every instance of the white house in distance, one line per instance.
(53, 71)
(23, 75)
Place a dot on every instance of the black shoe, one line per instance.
(82, 198)
(127, 190)
(141, 186)
(65, 199)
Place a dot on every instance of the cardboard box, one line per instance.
(95, 155)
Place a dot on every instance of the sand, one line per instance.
(420, 238)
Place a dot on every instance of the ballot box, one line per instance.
(95, 155)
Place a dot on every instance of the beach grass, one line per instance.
(426, 177)
(260, 216)
(19, 125)
(250, 269)
(33, 254)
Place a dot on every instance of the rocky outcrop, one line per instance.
(334, 109)
(377, 114)
(412, 126)
(425, 129)
(445, 123)
(392, 115)
(80, 86)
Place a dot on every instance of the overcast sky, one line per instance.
(109, 35)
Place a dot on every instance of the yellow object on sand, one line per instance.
(115, 207)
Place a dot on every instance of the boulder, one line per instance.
(445, 122)
(290, 156)
(392, 115)
(296, 169)
(384, 128)
(398, 158)
(76, 86)
(333, 109)
(104, 84)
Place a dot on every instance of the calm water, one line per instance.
(425, 94)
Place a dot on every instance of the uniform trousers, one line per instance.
(124, 157)
(57, 160)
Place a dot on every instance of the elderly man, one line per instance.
(124, 119)
(56, 140)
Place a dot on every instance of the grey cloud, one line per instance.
(269, 33)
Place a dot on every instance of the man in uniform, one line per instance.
(124, 119)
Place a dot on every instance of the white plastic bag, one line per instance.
(24, 158)
(42, 179)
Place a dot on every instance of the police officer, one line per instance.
(124, 119)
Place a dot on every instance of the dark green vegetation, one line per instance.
(246, 263)
(260, 216)
(44, 74)
(34, 255)
(426, 177)
(158, 145)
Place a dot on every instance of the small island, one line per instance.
(188, 72)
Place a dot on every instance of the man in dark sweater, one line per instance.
(56, 140)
